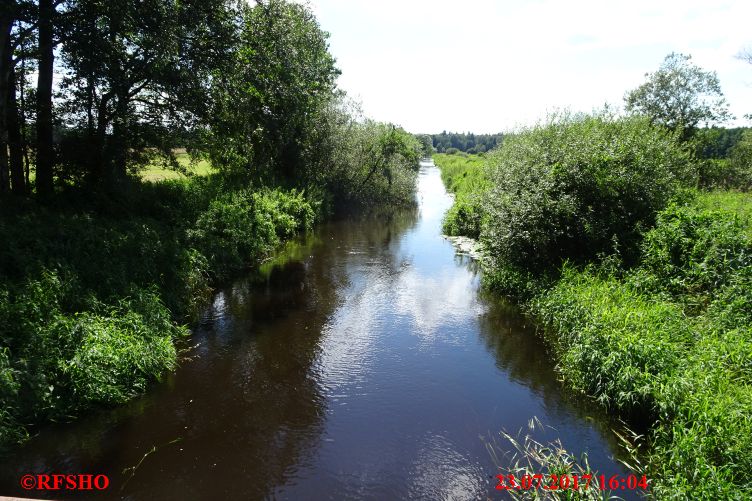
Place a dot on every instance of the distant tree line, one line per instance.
(448, 142)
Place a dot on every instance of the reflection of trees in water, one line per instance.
(514, 341)
(246, 408)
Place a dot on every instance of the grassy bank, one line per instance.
(97, 283)
(465, 176)
(95, 289)
(643, 287)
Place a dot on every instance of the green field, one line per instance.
(156, 172)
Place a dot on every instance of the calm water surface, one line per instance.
(363, 363)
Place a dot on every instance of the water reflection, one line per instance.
(362, 362)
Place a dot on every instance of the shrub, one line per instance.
(372, 164)
(577, 187)
(240, 228)
(54, 364)
(464, 217)
(693, 251)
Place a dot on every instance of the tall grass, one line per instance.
(669, 345)
(93, 289)
(466, 177)
(642, 285)
(531, 457)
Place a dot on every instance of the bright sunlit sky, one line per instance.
(487, 66)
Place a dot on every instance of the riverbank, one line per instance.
(656, 329)
(356, 362)
(97, 287)
(96, 290)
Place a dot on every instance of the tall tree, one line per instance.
(15, 143)
(138, 74)
(680, 95)
(45, 149)
(6, 56)
(267, 106)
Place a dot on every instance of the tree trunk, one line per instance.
(45, 152)
(117, 159)
(6, 23)
(22, 115)
(14, 138)
(98, 140)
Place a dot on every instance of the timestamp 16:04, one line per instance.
(553, 482)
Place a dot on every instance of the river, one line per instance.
(363, 362)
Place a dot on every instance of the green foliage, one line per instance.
(717, 142)
(693, 252)
(466, 177)
(369, 163)
(679, 95)
(89, 289)
(267, 105)
(426, 145)
(577, 187)
(116, 353)
(241, 228)
(464, 217)
(462, 175)
(670, 344)
(614, 343)
(448, 142)
(54, 363)
(740, 158)
(136, 79)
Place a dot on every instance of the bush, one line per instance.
(372, 164)
(693, 251)
(53, 364)
(577, 187)
(241, 228)
(464, 217)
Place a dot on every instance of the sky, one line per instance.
(490, 66)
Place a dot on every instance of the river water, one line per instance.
(363, 363)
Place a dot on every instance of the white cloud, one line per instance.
(487, 65)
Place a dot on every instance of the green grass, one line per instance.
(94, 287)
(668, 344)
(465, 176)
(462, 174)
(156, 172)
(736, 202)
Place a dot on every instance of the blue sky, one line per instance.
(488, 66)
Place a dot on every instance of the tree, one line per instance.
(18, 24)
(426, 145)
(679, 95)
(137, 76)
(268, 106)
(45, 151)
